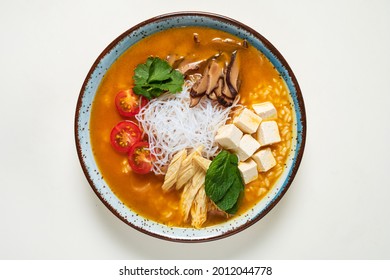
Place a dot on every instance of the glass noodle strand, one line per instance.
(171, 126)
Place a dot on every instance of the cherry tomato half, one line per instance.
(128, 103)
(140, 158)
(124, 135)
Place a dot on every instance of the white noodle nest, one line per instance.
(171, 126)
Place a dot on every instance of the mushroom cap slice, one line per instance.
(212, 96)
(200, 87)
(231, 42)
(195, 100)
(214, 72)
(196, 38)
(224, 101)
(245, 43)
(174, 60)
(225, 88)
(187, 65)
(222, 98)
(232, 74)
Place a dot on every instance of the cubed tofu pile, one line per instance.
(249, 137)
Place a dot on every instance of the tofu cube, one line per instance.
(264, 159)
(265, 110)
(247, 147)
(248, 121)
(268, 133)
(248, 170)
(229, 136)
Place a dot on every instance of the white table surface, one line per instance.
(338, 206)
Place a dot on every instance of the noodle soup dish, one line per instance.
(190, 127)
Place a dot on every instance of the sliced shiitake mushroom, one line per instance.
(245, 43)
(232, 74)
(220, 79)
(221, 97)
(231, 42)
(195, 100)
(225, 89)
(196, 38)
(188, 65)
(218, 90)
(175, 60)
(214, 72)
(200, 87)
(212, 96)
(209, 79)
(224, 101)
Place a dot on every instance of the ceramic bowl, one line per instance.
(83, 114)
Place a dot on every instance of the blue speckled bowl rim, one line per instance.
(271, 53)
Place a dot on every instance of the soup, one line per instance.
(260, 83)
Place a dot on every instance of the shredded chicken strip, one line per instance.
(173, 170)
(199, 209)
(202, 162)
(187, 172)
(190, 191)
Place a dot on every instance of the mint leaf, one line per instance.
(234, 209)
(231, 197)
(156, 76)
(223, 182)
(219, 177)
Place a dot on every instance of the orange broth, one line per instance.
(143, 193)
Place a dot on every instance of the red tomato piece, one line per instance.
(140, 158)
(124, 135)
(128, 103)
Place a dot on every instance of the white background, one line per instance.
(337, 207)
